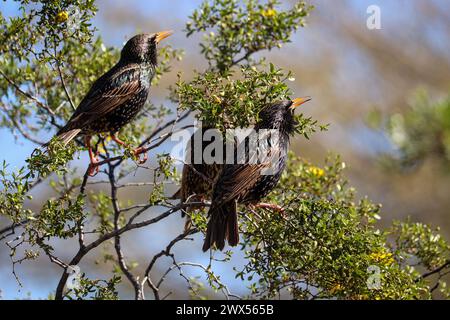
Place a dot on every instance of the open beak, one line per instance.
(162, 35)
(299, 101)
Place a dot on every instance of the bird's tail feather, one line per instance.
(65, 137)
(176, 195)
(222, 225)
(68, 136)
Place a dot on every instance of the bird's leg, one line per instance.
(117, 140)
(139, 151)
(136, 151)
(271, 206)
(93, 165)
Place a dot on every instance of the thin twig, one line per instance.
(58, 67)
(107, 236)
(437, 270)
(28, 95)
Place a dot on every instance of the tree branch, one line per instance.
(129, 226)
(437, 270)
(139, 294)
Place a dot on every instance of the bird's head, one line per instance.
(142, 48)
(280, 115)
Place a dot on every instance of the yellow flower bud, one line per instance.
(316, 171)
(269, 13)
(336, 288)
(62, 17)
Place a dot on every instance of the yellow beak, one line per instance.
(299, 101)
(162, 35)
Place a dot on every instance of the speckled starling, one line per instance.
(117, 96)
(244, 182)
(197, 179)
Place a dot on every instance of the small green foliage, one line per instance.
(199, 219)
(166, 168)
(322, 246)
(101, 206)
(239, 29)
(164, 172)
(156, 195)
(228, 98)
(418, 240)
(34, 49)
(57, 218)
(14, 193)
(50, 159)
(235, 99)
(325, 241)
(95, 289)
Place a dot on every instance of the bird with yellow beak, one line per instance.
(116, 97)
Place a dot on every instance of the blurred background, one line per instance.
(349, 70)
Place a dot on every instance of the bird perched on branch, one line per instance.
(117, 96)
(246, 182)
(198, 177)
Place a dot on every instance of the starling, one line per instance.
(117, 96)
(197, 179)
(244, 182)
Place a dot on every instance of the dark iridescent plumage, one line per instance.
(197, 179)
(244, 183)
(117, 96)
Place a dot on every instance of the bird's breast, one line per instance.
(146, 76)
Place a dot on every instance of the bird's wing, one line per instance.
(236, 180)
(107, 93)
